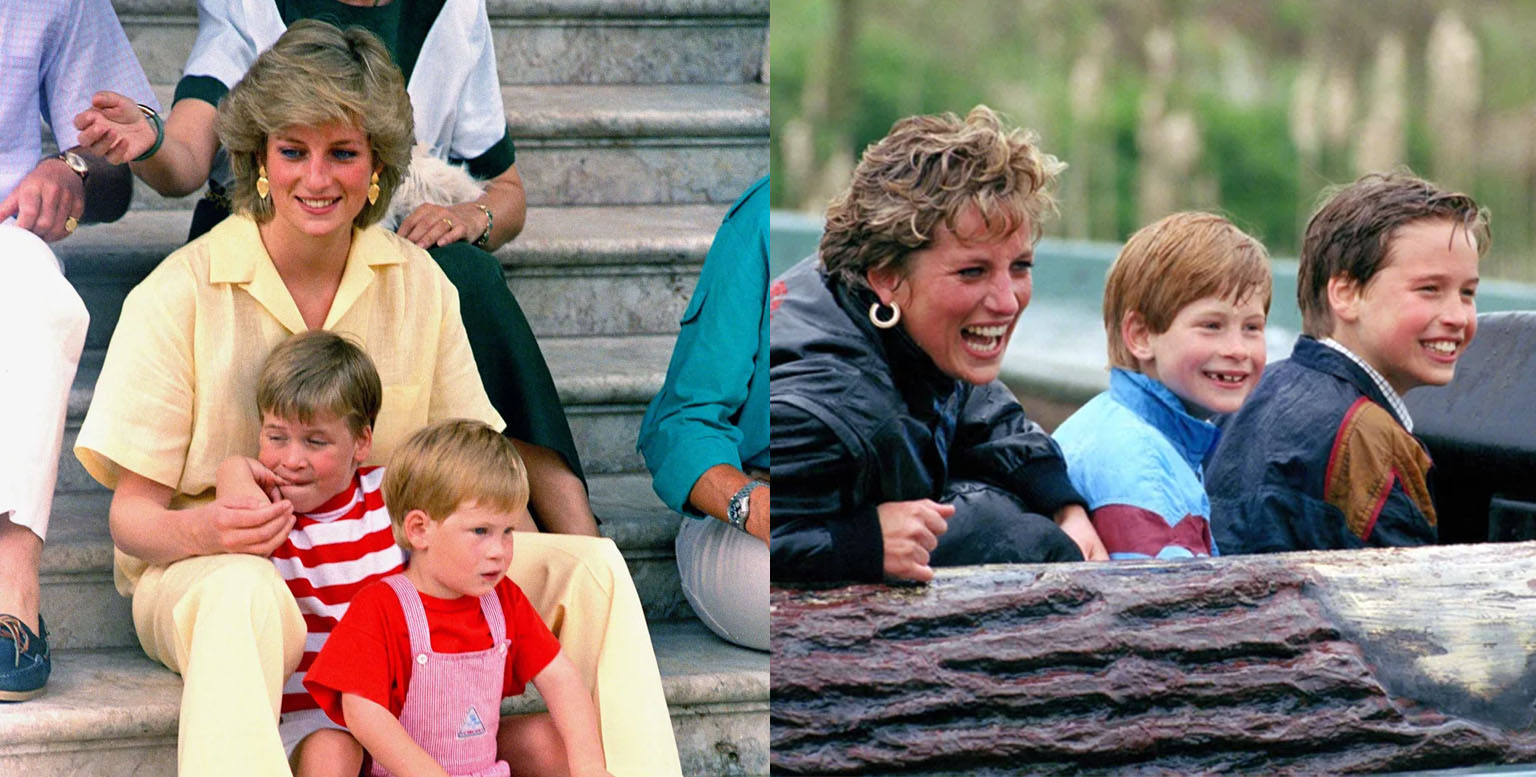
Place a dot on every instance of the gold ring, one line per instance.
(70, 224)
(448, 221)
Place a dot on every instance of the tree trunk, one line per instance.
(1298, 663)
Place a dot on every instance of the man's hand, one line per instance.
(114, 128)
(910, 531)
(1073, 520)
(45, 199)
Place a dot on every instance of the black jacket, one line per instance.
(862, 416)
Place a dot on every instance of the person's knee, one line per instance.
(243, 583)
(50, 304)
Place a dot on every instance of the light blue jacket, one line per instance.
(713, 407)
(1137, 456)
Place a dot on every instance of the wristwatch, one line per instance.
(76, 163)
(741, 504)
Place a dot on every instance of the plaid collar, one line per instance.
(1398, 408)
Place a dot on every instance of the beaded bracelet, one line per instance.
(154, 119)
(485, 237)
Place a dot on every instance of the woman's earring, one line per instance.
(263, 187)
(884, 323)
(373, 188)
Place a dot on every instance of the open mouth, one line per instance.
(984, 340)
(1227, 379)
(318, 205)
(1443, 349)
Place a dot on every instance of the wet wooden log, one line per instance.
(1301, 663)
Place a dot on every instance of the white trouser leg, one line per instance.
(724, 573)
(44, 322)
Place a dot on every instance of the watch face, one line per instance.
(75, 163)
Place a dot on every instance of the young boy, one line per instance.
(319, 395)
(1323, 454)
(1184, 310)
(420, 663)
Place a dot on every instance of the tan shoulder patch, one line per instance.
(1370, 452)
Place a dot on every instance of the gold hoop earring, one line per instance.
(884, 323)
(373, 188)
(263, 186)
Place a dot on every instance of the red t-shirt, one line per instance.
(369, 652)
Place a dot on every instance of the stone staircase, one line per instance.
(637, 122)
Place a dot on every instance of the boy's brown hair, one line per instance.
(1351, 234)
(319, 371)
(450, 463)
(1175, 261)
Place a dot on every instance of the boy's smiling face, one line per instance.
(317, 458)
(1414, 318)
(1210, 356)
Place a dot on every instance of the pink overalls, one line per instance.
(453, 705)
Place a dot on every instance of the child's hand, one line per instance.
(268, 480)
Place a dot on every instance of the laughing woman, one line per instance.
(318, 133)
(894, 446)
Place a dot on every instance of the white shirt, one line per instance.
(57, 53)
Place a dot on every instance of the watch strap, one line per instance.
(739, 506)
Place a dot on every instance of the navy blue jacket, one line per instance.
(862, 416)
(1315, 459)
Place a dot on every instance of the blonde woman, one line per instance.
(318, 134)
(443, 48)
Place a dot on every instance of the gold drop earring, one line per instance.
(373, 188)
(263, 186)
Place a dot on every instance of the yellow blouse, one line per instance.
(177, 392)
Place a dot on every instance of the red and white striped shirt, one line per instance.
(329, 556)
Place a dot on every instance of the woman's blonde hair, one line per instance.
(1174, 261)
(451, 463)
(316, 74)
(930, 168)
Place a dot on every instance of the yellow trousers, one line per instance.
(230, 627)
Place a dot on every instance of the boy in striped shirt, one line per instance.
(319, 396)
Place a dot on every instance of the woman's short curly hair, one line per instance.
(316, 74)
(930, 168)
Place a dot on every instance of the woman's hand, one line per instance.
(242, 525)
(115, 128)
(1073, 520)
(910, 531)
(144, 526)
(438, 225)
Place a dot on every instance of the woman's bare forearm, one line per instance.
(185, 158)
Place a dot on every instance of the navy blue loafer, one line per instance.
(24, 659)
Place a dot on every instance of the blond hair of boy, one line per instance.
(1172, 262)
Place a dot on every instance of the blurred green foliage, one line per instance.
(844, 70)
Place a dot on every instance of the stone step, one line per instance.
(614, 145)
(113, 712)
(598, 270)
(546, 41)
(84, 610)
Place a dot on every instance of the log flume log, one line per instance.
(1297, 663)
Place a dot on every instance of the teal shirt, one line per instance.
(713, 407)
